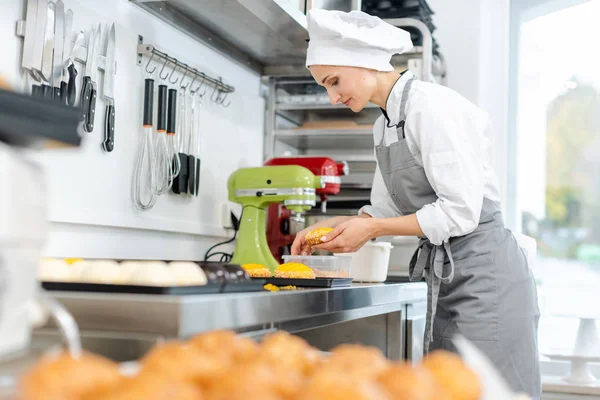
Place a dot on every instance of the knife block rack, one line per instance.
(80, 55)
(189, 72)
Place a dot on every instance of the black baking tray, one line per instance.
(253, 285)
(210, 288)
(316, 283)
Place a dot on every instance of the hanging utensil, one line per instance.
(145, 156)
(109, 76)
(198, 139)
(28, 59)
(59, 43)
(41, 20)
(71, 71)
(162, 166)
(88, 92)
(181, 179)
(66, 53)
(47, 52)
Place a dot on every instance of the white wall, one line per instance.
(474, 36)
(89, 200)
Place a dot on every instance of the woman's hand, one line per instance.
(299, 246)
(348, 236)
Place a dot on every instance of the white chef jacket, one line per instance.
(449, 137)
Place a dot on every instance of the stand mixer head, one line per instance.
(257, 188)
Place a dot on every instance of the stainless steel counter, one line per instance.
(183, 316)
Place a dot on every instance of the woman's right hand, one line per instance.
(299, 247)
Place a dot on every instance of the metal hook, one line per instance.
(149, 60)
(161, 70)
(223, 99)
(212, 96)
(203, 76)
(171, 74)
(183, 79)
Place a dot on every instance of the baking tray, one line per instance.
(317, 283)
(210, 288)
(254, 285)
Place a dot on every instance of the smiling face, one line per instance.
(351, 86)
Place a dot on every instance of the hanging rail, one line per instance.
(148, 49)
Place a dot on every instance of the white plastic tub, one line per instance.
(370, 263)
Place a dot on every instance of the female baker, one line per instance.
(433, 180)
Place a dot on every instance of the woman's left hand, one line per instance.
(348, 236)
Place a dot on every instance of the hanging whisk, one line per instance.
(142, 174)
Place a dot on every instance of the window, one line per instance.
(558, 163)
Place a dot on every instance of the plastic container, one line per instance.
(370, 263)
(337, 266)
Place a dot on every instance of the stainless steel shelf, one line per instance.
(343, 139)
(256, 33)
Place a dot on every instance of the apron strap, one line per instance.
(400, 127)
(429, 258)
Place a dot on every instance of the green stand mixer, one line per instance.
(257, 188)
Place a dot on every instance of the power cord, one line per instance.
(226, 257)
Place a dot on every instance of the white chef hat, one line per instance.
(354, 39)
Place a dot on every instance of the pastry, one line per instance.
(50, 270)
(182, 360)
(99, 271)
(333, 385)
(456, 379)
(60, 377)
(257, 270)
(313, 237)
(405, 382)
(294, 271)
(152, 273)
(187, 273)
(343, 359)
(289, 353)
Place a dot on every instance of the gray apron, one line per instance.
(479, 284)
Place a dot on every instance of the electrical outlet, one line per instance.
(225, 215)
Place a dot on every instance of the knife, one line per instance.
(70, 65)
(27, 61)
(47, 52)
(38, 44)
(88, 95)
(67, 46)
(109, 80)
(59, 34)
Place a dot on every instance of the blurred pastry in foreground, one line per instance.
(314, 237)
(153, 387)
(250, 381)
(257, 270)
(182, 360)
(456, 379)
(405, 382)
(294, 270)
(290, 353)
(226, 345)
(62, 377)
(343, 359)
(333, 385)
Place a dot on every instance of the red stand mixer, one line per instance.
(279, 218)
